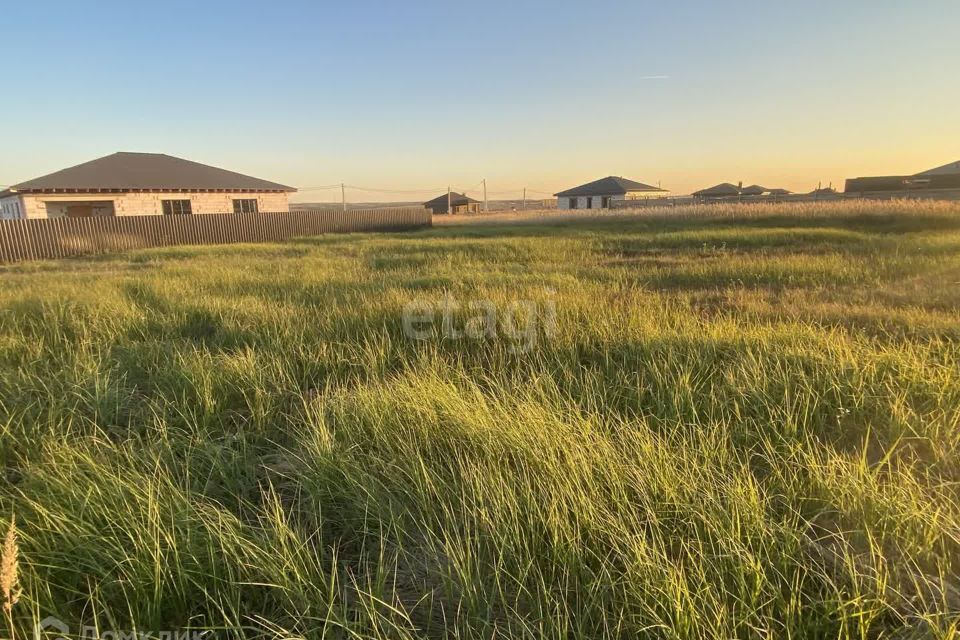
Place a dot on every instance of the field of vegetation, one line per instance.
(730, 422)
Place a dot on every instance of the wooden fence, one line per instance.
(61, 237)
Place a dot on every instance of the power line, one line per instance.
(374, 189)
(516, 193)
(328, 186)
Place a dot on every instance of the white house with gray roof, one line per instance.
(125, 184)
(601, 194)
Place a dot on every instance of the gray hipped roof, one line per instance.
(722, 189)
(456, 199)
(947, 169)
(147, 171)
(753, 190)
(609, 186)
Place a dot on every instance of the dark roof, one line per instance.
(609, 186)
(780, 192)
(951, 168)
(923, 182)
(753, 190)
(456, 199)
(126, 171)
(720, 190)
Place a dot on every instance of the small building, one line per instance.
(600, 194)
(943, 177)
(722, 190)
(129, 184)
(459, 202)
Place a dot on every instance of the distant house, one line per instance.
(823, 191)
(722, 190)
(753, 190)
(599, 194)
(126, 184)
(459, 202)
(944, 177)
(729, 190)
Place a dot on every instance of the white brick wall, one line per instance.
(596, 202)
(139, 204)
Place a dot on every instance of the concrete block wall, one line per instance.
(149, 203)
(597, 201)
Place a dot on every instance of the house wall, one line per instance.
(44, 205)
(595, 201)
(11, 208)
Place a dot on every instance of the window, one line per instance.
(10, 210)
(176, 207)
(605, 202)
(589, 202)
(572, 202)
(245, 206)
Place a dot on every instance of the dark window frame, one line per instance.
(177, 207)
(243, 205)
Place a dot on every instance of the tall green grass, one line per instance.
(743, 426)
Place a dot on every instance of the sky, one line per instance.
(410, 97)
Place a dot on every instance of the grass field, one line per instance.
(723, 423)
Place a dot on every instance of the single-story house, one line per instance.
(753, 190)
(730, 190)
(757, 190)
(824, 191)
(129, 184)
(944, 177)
(456, 201)
(722, 190)
(599, 194)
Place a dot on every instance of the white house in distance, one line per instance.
(129, 184)
(601, 193)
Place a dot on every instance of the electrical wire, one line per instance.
(474, 188)
(330, 186)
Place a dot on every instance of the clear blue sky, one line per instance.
(409, 95)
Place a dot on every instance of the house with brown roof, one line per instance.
(458, 202)
(126, 184)
(600, 194)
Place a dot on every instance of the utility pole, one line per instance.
(524, 207)
(449, 208)
(485, 195)
(343, 196)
